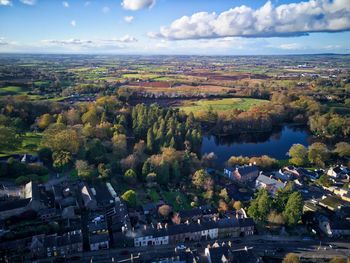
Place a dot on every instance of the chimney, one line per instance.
(199, 221)
(145, 227)
(166, 226)
(187, 222)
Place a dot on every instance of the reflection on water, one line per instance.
(275, 144)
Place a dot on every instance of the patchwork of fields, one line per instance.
(220, 105)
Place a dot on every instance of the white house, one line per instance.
(270, 184)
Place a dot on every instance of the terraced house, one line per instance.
(174, 234)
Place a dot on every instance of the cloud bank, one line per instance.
(97, 43)
(9, 2)
(135, 5)
(292, 19)
(5, 2)
(128, 19)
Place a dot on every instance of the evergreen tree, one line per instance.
(146, 168)
(175, 175)
(150, 140)
(294, 209)
(163, 173)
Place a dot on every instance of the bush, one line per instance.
(130, 197)
(22, 180)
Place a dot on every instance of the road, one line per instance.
(261, 246)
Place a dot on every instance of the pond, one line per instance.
(275, 144)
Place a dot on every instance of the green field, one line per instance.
(12, 90)
(221, 105)
(17, 91)
(30, 144)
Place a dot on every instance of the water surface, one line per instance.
(275, 144)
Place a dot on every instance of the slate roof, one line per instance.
(217, 254)
(195, 227)
(14, 204)
(248, 169)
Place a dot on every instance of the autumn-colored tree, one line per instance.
(318, 153)
(342, 149)
(222, 206)
(44, 121)
(237, 205)
(84, 169)
(164, 210)
(291, 258)
(130, 176)
(130, 198)
(298, 154)
(61, 159)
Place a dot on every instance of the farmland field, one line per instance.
(11, 90)
(221, 104)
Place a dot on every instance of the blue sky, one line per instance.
(175, 26)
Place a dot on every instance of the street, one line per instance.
(262, 246)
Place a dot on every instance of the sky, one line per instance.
(198, 27)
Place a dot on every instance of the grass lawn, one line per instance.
(171, 198)
(30, 144)
(221, 104)
(17, 91)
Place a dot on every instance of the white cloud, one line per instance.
(292, 19)
(5, 2)
(28, 2)
(332, 47)
(88, 45)
(87, 3)
(65, 4)
(127, 39)
(137, 4)
(3, 42)
(128, 19)
(106, 9)
(291, 46)
(73, 23)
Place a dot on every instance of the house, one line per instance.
(340, 172)
(175, 234)
(98, 196)
(88, 198)
(292, 170)
(98, 233)
(312, 175)
(343, 193)
(30, 159)
(198, 213)
(268, 183)
(30, 199)
(64, 246)
(225, 253)
(283, 175)
(217, 254)
(332, 203)
(242, 174)
(49, 214)
(334, 227)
